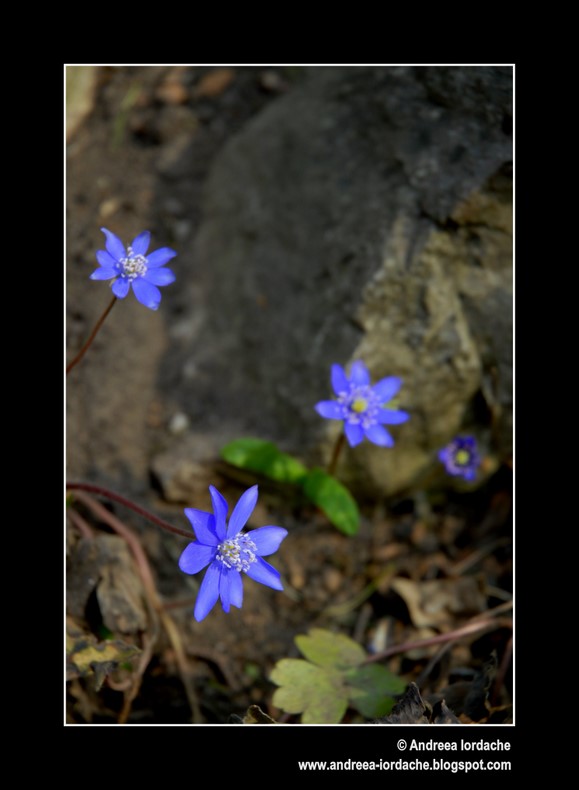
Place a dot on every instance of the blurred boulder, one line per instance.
(366, 214)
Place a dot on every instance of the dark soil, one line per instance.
(140, 160)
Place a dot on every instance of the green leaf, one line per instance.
(327, 649)
(333, 499)
(323, 691)
(371, 689)
(264, 458)
(315, 692)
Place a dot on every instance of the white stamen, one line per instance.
(237, 553)
(133, 266)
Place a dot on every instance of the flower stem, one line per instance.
(86, 346)
(336, 454)
(99, 490)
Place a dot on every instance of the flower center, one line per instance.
(237, 553)
(462, 457)
(133, 266)
(360, 405)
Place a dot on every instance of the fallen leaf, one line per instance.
(255, 715)
(411, 709)
(214, 83)
(437, 602)
(85, 656)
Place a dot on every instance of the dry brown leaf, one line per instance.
(214, 83)
(86, 656)
(437, 602)
(106, 564)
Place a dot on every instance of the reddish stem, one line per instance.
(87, 345)
(101, 491)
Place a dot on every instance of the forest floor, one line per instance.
(427, 580)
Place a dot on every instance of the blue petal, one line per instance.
(330, 409)
(140, 244)
(267, 539)
(195, 557)
(105, 259)
(392, 416)
(236, 589)
(220, 509)
(114, 245)
(159, 276)
(242, 511)
(387, 388)
(354, 433)
(121, 287)
(339, 379)
(208, 592)
(224, 589)
(147, 294)
(160, 257)
(104, 273)
(264, 573)
(230, 589)
(379, 435)
(359, 373)
(203, 525)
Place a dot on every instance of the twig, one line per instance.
(440, 653)
(502, 671)
(476, 556)
(101, 491)
(79, 522)
(156, 607)
(144, 661)
(472, 627)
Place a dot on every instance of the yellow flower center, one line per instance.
(359, 405)
(462, 457)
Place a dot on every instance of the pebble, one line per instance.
(178, 423)
(332, 580)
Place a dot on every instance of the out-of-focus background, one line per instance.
(320, 215)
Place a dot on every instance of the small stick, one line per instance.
(87, 345)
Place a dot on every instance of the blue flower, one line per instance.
(363, 407)
(461, 457)
(228, 551)
(132, 267)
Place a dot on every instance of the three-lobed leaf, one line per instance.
(333, 678)
(327, 649)
(371, 690)
(318, 693)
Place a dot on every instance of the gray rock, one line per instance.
(366, 214)
(187, 468)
